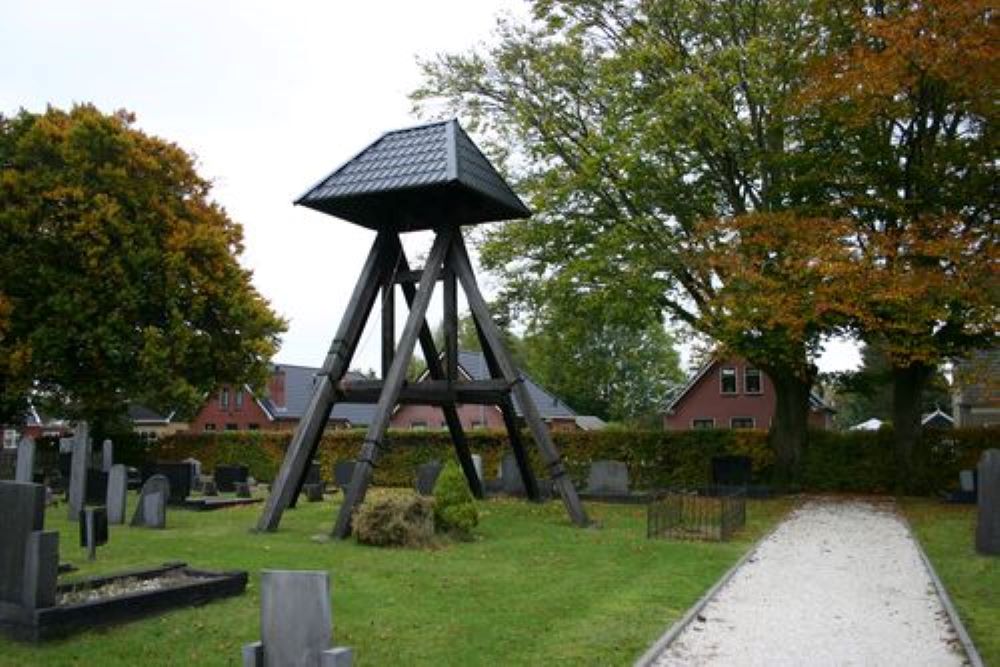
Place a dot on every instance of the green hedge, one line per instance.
(857, 461)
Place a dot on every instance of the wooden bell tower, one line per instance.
(431, 177)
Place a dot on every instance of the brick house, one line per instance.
(976, 389)
(731, 393)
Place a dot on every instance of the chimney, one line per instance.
(276, 387)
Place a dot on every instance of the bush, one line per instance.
(395, 520)
(454, 508)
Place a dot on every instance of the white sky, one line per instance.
(270, 96)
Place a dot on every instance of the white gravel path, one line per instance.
(838, 583)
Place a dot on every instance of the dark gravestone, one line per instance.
(608, 478)
(242, 489)
(97, 487)
(343, 471)
(179, 475)
(151, 510)
(78, 473)
(117, 492)
(314, 492)
(988, 505)
(296, 623)
(29, 557)
(65, 463)
(93, 529)
(427, 475)
(107, 455)
(226, 476)
(510, 476)
(731, 470)
(313, 475)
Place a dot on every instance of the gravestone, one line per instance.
(29, 556)
(78, 472)
(179, 475)
(731, 470)
(988, 505)
(242, 489)
(608, 478)
(226, 476)
(313, 475)
(107, 455)
(208, 488)
(117, 493)
(510, 476)
(25, 460)
(93, 529)
(477, 463)
(97, 487)
(314, 492)
(295, 623)
(427, 475)
(195, 471)
(343, 471)
(151, 511)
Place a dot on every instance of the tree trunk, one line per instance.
(791, 420)
(908, 384)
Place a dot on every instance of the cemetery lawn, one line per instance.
(947, 533)
(530, 590)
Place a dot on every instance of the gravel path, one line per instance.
(838, 583)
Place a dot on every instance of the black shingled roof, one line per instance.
(417, 178)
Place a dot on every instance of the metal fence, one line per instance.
(708, 514)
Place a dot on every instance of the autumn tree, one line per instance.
(119, 277)
(910, 158)
(629, 124)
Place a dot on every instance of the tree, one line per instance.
(911, 160)
(630, 124)
(120, 276)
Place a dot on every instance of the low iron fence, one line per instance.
(708, 514)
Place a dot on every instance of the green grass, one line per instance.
(530, 590)
(947, 533)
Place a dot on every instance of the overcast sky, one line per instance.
(270, 96)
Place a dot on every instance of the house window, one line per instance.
(253, 427)
(209, 427)
(751, 381)
(238, 399)
(728, 380)
(232, 427)
(418, 426)
(741, 422)
(476, 423)
(706, 422)
(224, 398)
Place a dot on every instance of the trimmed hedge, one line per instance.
(856, 461)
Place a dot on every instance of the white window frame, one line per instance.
(224, 398)
(238, 399)
(703, 419)
(736, 381)
(753, 423)
(760, 381)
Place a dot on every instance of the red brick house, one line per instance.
(732, 393)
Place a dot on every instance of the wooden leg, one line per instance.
(510, 423)
(494, 341)
(307, 435)
(436, 372)
(393, 382)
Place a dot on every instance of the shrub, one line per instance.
(454, 508)
(395, 520)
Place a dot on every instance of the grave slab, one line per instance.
(25, 460)
(510, 476)
(117, 493)
(608, 478)
(151, 510)
(107, 455)
(427, 475)
(988, 504)
(78, 472)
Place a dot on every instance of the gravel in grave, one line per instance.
(838, 583)
(124, 586)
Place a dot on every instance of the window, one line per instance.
(253, 427)
(751, 381)
(232, 427)
(224, 399)
(705, 422)
(476, 423)
(209, 427)
(238, 399)
(728, 380)
(418, 426)
(741, 422)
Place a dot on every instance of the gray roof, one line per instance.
(299, 383)
(549, 405)
(417, 178)
(143, 414)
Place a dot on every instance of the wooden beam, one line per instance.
(450, 326)
(355, 493)
(408, 277)
(288, 481)
(505, 364)
(388, 324)
(451, 416)
(428, 392)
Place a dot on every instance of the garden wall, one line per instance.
(859, 462)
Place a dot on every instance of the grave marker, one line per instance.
(107, 455)
(29, 556)
(226, 476)
(314, 492)
(510, 476)
(151, 510)
(343, 471)
(427, 475)
(93, 530)
(242, 489)
(608, 478)
(78, 471)
(117, 493)
(988, 505)
(25, 460)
